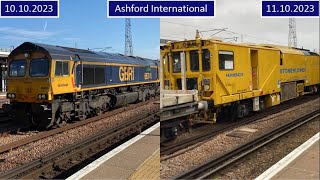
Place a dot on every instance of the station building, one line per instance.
(4, 53)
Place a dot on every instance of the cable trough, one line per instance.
(60, 161)
(206, 170)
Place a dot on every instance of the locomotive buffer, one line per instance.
(177, 105)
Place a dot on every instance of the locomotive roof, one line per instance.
(291, 50)
(67, 53)
(283, 49)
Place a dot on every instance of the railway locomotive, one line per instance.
(206, 79)
(51, 85)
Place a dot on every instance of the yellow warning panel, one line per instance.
(150, 169)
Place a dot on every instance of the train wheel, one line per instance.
(262, 106)
(60, 121)
(82, 117)
(105, 107)
(170, 133)
(98, 111)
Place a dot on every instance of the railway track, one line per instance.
(44, 134)
(171, 149)
(211, 167)
(62, 160)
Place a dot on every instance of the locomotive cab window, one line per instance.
(194, 61)
(226, 60)
(62, 68)
(176, 62)
(206, 60)
(39, 67)
(17, 68)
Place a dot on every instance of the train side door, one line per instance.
(78, 78)
(109, 75)
(61, 81)
(254, 66)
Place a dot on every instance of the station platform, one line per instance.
(138, 158)
(301, 163)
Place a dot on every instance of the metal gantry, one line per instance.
(128, 38)
(292, 40)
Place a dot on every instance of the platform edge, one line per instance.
(276, 168)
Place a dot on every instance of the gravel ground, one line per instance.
(222, 143)
(8, 138)
(258, 162)
(42, 147)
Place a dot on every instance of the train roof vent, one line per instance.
(307, 53)
(268, 46)
(140, 58)
(314, 54)
(216, 39)
(77, 50)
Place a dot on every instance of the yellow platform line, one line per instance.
(149, 169)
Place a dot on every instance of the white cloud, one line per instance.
(243, 17)
(30, 34)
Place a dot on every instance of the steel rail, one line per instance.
(57, 160)
(175, 147)
(207, 169)
(41, 135)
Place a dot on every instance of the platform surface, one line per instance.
(149, 169)
(301, 163)
(140, 160)
(306, 166)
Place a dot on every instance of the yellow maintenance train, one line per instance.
(236, 79)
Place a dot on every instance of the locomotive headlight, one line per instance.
(206, 83)
(11, 95)
(166, 84)
(26, 55)
(42, 96)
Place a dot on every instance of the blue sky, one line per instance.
(83, 24)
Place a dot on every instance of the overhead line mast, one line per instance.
(292, 39)
(128, 38)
